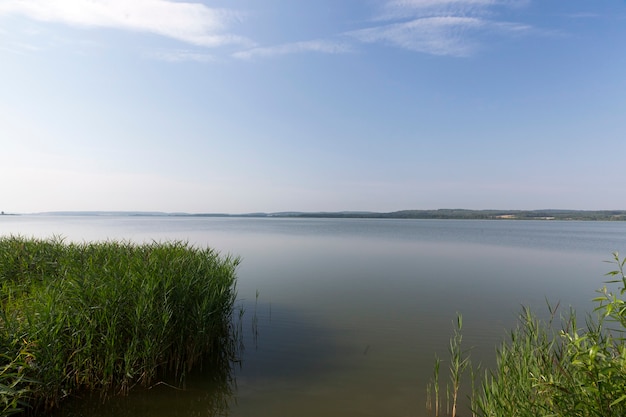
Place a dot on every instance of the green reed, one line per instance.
(432, 389)
(459, 361)
(108, 315)
(577, 370)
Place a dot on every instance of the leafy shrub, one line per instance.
(571, 372)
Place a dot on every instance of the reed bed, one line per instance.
(543, 370)
(106, 316)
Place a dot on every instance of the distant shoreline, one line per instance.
(452, 214)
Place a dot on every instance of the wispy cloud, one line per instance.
(321, 46)
(583, 15)
(445, 35)
(181, 56)
(192, 23)
(433, 35)
(18, 48)
(456, 28)
(440, 27)
(439, 3)
(452, 6)
(398, 9)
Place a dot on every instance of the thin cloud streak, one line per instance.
(451, 4)
(583, 15)
(439, 27)
(411, 9)
(435, 3)
(192, 23)
(181, 56)
(321, 46)
(434, 35)
(19, 48)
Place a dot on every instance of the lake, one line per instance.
(343, 317)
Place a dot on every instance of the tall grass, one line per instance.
(108, 315)
(459, 362)
(577, 370)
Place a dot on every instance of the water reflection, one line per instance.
(268, 347)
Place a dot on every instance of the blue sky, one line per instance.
(243, 106)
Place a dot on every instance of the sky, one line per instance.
(246, 106)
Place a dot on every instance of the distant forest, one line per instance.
(599, 215)
(548, 214)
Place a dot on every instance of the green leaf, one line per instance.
(619, 400)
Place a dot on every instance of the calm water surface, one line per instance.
(344, 317)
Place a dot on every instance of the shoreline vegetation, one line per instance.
(543, 369)
(107, 316)
(458, 214)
